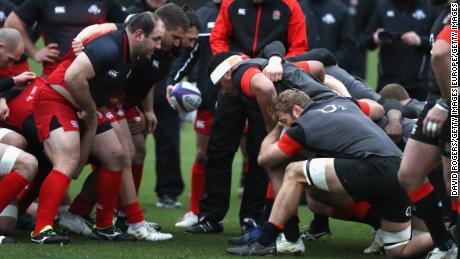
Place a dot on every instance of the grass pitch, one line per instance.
(347, 240)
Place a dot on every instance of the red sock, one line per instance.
(51, 193)
(269, 194)
(134, 213)
(245, 168)
(137, 176)
(421, 192)
(197, 187)
(358, 209)
(455, 204)
(108, 187)
(278, 226)
(81, 206)
(10, 186)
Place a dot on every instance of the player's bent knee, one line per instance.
(26, 164)
(118, 160)
(10, 160)
(12, 138)
(394, 242)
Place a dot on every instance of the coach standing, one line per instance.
(401, 30)
(246, 27)
(360, 12)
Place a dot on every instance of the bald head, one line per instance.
(10, 38)
(11, 47)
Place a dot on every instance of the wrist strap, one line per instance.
(441, 104)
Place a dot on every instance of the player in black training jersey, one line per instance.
(358, 161)
(59, 22)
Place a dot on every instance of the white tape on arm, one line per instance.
(8, 159)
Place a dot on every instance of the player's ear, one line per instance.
(296, 111)
(139, 34)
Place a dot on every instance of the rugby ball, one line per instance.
(185, 97)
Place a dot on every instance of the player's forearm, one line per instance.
(272, 137)
(265, 102)
(394, 116)
(148, 100)
(264, 159)
(264, 91)
(336, 85)
(13, 21)
(95, 29)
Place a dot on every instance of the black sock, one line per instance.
(267, 209)
(319, 222)
(429, 208)
(269, 234)
(291, 229)
(372, 218)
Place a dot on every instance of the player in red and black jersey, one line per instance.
(83, 84)
(145, 71)
(17, 168)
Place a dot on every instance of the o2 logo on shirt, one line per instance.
(332, 108)
(93, 9)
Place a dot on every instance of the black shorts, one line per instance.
(375, 180)
(443, 140)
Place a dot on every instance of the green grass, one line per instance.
(347, 241)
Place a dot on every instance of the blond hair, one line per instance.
(286, 100)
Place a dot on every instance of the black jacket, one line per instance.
(331, 27)
(400, 63)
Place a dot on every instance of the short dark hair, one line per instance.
(219, 58)
(193, 19)
(146, 21)
(173, 17)
(394, 91)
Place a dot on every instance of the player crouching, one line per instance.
(359, 161)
